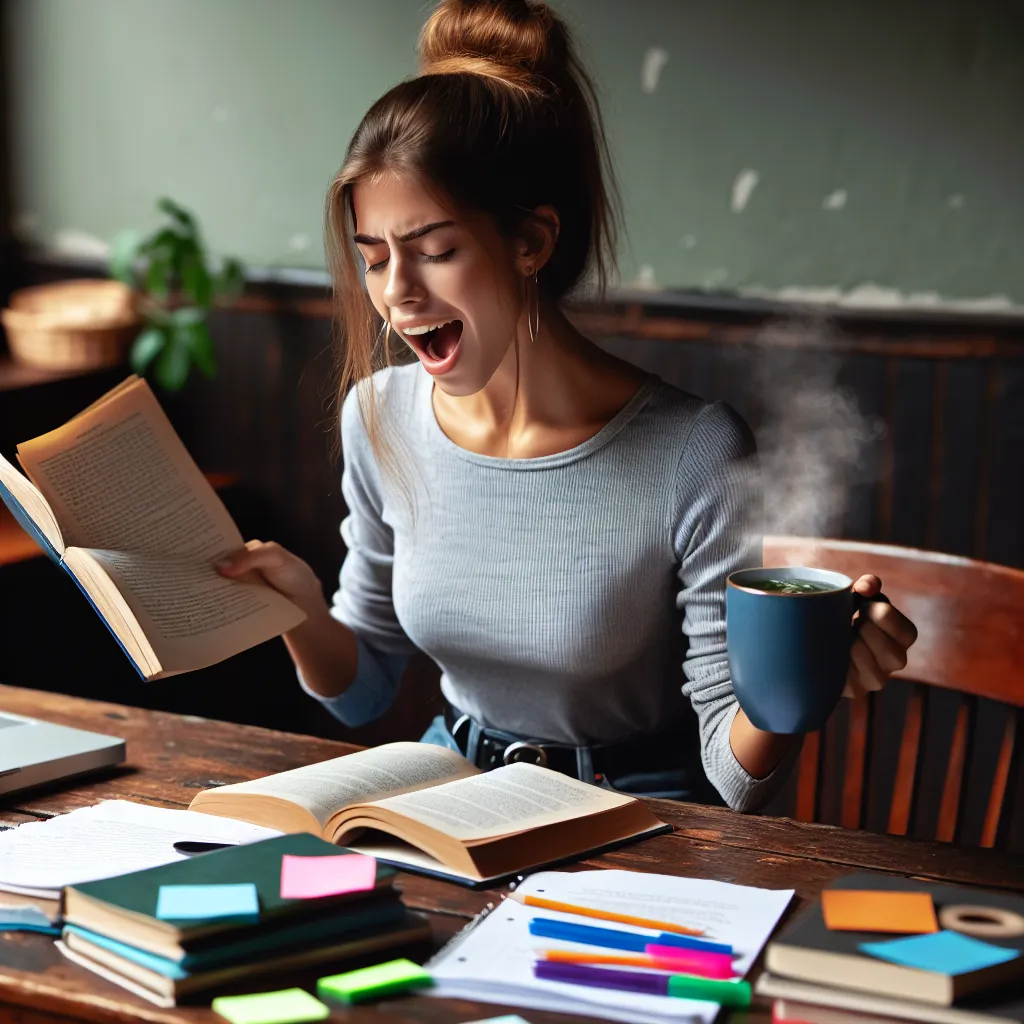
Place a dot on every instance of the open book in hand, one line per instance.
(114, 498)
(427, 809)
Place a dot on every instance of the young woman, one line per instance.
(550, 524)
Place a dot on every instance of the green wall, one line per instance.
(886, 139)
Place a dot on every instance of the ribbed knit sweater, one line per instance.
(577, 597)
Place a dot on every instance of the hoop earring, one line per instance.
(534, 331)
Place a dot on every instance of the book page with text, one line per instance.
(118, 478)
(190, 614)
(514, 798)
(328, 786)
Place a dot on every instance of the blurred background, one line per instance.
(825, 228)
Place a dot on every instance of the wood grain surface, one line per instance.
(172, 757)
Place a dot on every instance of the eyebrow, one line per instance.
(416, 233)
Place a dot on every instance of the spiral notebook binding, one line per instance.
(458, 938)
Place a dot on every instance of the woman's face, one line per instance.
(428, 265)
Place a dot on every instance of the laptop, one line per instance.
(34, 752)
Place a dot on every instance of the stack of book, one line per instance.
(120, 928)
(869, 956)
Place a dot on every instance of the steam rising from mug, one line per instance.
(814, 442)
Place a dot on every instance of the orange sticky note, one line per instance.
(862, 910)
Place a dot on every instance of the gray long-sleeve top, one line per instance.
(559, 595)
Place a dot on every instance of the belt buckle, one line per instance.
(514, 750)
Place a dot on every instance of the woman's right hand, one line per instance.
(268, 562)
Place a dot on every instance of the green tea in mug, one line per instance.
(770, 586)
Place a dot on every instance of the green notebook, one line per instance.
(124, 908)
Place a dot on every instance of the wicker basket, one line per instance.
(72, 325)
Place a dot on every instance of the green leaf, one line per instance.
(124, 250)
(231, 279)
(173, 364)
(201, 347)
(187, 316)
(178, 213)
(195, 278)
(157, 278)
(165, 242)
(146, 347)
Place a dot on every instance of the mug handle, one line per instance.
(860, 602)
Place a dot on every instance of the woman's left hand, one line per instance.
(880, 648)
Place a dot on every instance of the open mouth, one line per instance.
(438, 343)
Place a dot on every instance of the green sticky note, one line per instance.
(289, 1006)
(372, 982)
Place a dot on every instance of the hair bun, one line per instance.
(513, 40)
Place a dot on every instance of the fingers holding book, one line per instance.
(268, 562)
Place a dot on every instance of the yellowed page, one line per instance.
(515, 798)
(328, 786)
(118, 478)
(34, 504)
(191, 615)
(114, 608)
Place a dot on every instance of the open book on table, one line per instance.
(114, 498)
(427, 809)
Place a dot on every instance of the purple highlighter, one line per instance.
(580, 974)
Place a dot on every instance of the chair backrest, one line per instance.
(970, 620)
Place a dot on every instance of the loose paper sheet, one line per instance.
(861, 910)
(494, 962)
(110, 838)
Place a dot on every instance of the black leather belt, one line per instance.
(496, 747)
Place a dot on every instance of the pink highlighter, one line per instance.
(693, 961)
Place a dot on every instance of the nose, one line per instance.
(403, 284)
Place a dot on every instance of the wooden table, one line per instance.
(172, 757)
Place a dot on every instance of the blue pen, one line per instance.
(615, 938)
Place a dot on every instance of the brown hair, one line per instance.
(502, 118)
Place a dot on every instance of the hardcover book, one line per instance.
(808, 951)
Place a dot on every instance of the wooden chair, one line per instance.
(970, 618)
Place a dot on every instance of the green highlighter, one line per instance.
(373, 982)
(727, 993)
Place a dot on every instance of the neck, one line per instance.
(547, 384)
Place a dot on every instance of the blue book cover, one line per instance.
(28, 524)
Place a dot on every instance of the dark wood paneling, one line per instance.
(961, 446)
(909, 419)
(1006, 499)
(7, 254)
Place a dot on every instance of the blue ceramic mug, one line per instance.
(789, 647)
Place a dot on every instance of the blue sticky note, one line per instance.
(942, 952)
(208, 902)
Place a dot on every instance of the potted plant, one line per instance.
(177, 285)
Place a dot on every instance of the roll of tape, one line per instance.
(982, 922)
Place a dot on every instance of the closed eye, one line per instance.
(440, 258)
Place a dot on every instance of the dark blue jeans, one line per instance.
(687, 782)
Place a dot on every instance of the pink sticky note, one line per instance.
(306, 878)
